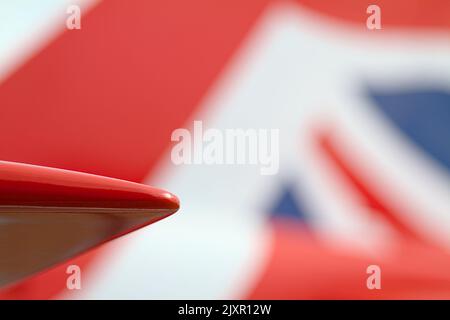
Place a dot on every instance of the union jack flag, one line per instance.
(364, 119)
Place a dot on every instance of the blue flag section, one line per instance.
(422, 115)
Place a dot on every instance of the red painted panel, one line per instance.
(105, 99)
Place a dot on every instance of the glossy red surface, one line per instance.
(48, 215)
(30, 185)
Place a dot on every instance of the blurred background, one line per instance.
(364, 120)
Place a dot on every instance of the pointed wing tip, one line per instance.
(50, 215)
(172, 201)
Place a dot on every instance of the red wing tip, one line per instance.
(30, 185)
(172, 201)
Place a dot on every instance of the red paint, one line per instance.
(300, 267)
(30, 185)
(29, 191)
(105, 99)
(366, 192)
(409, 15)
